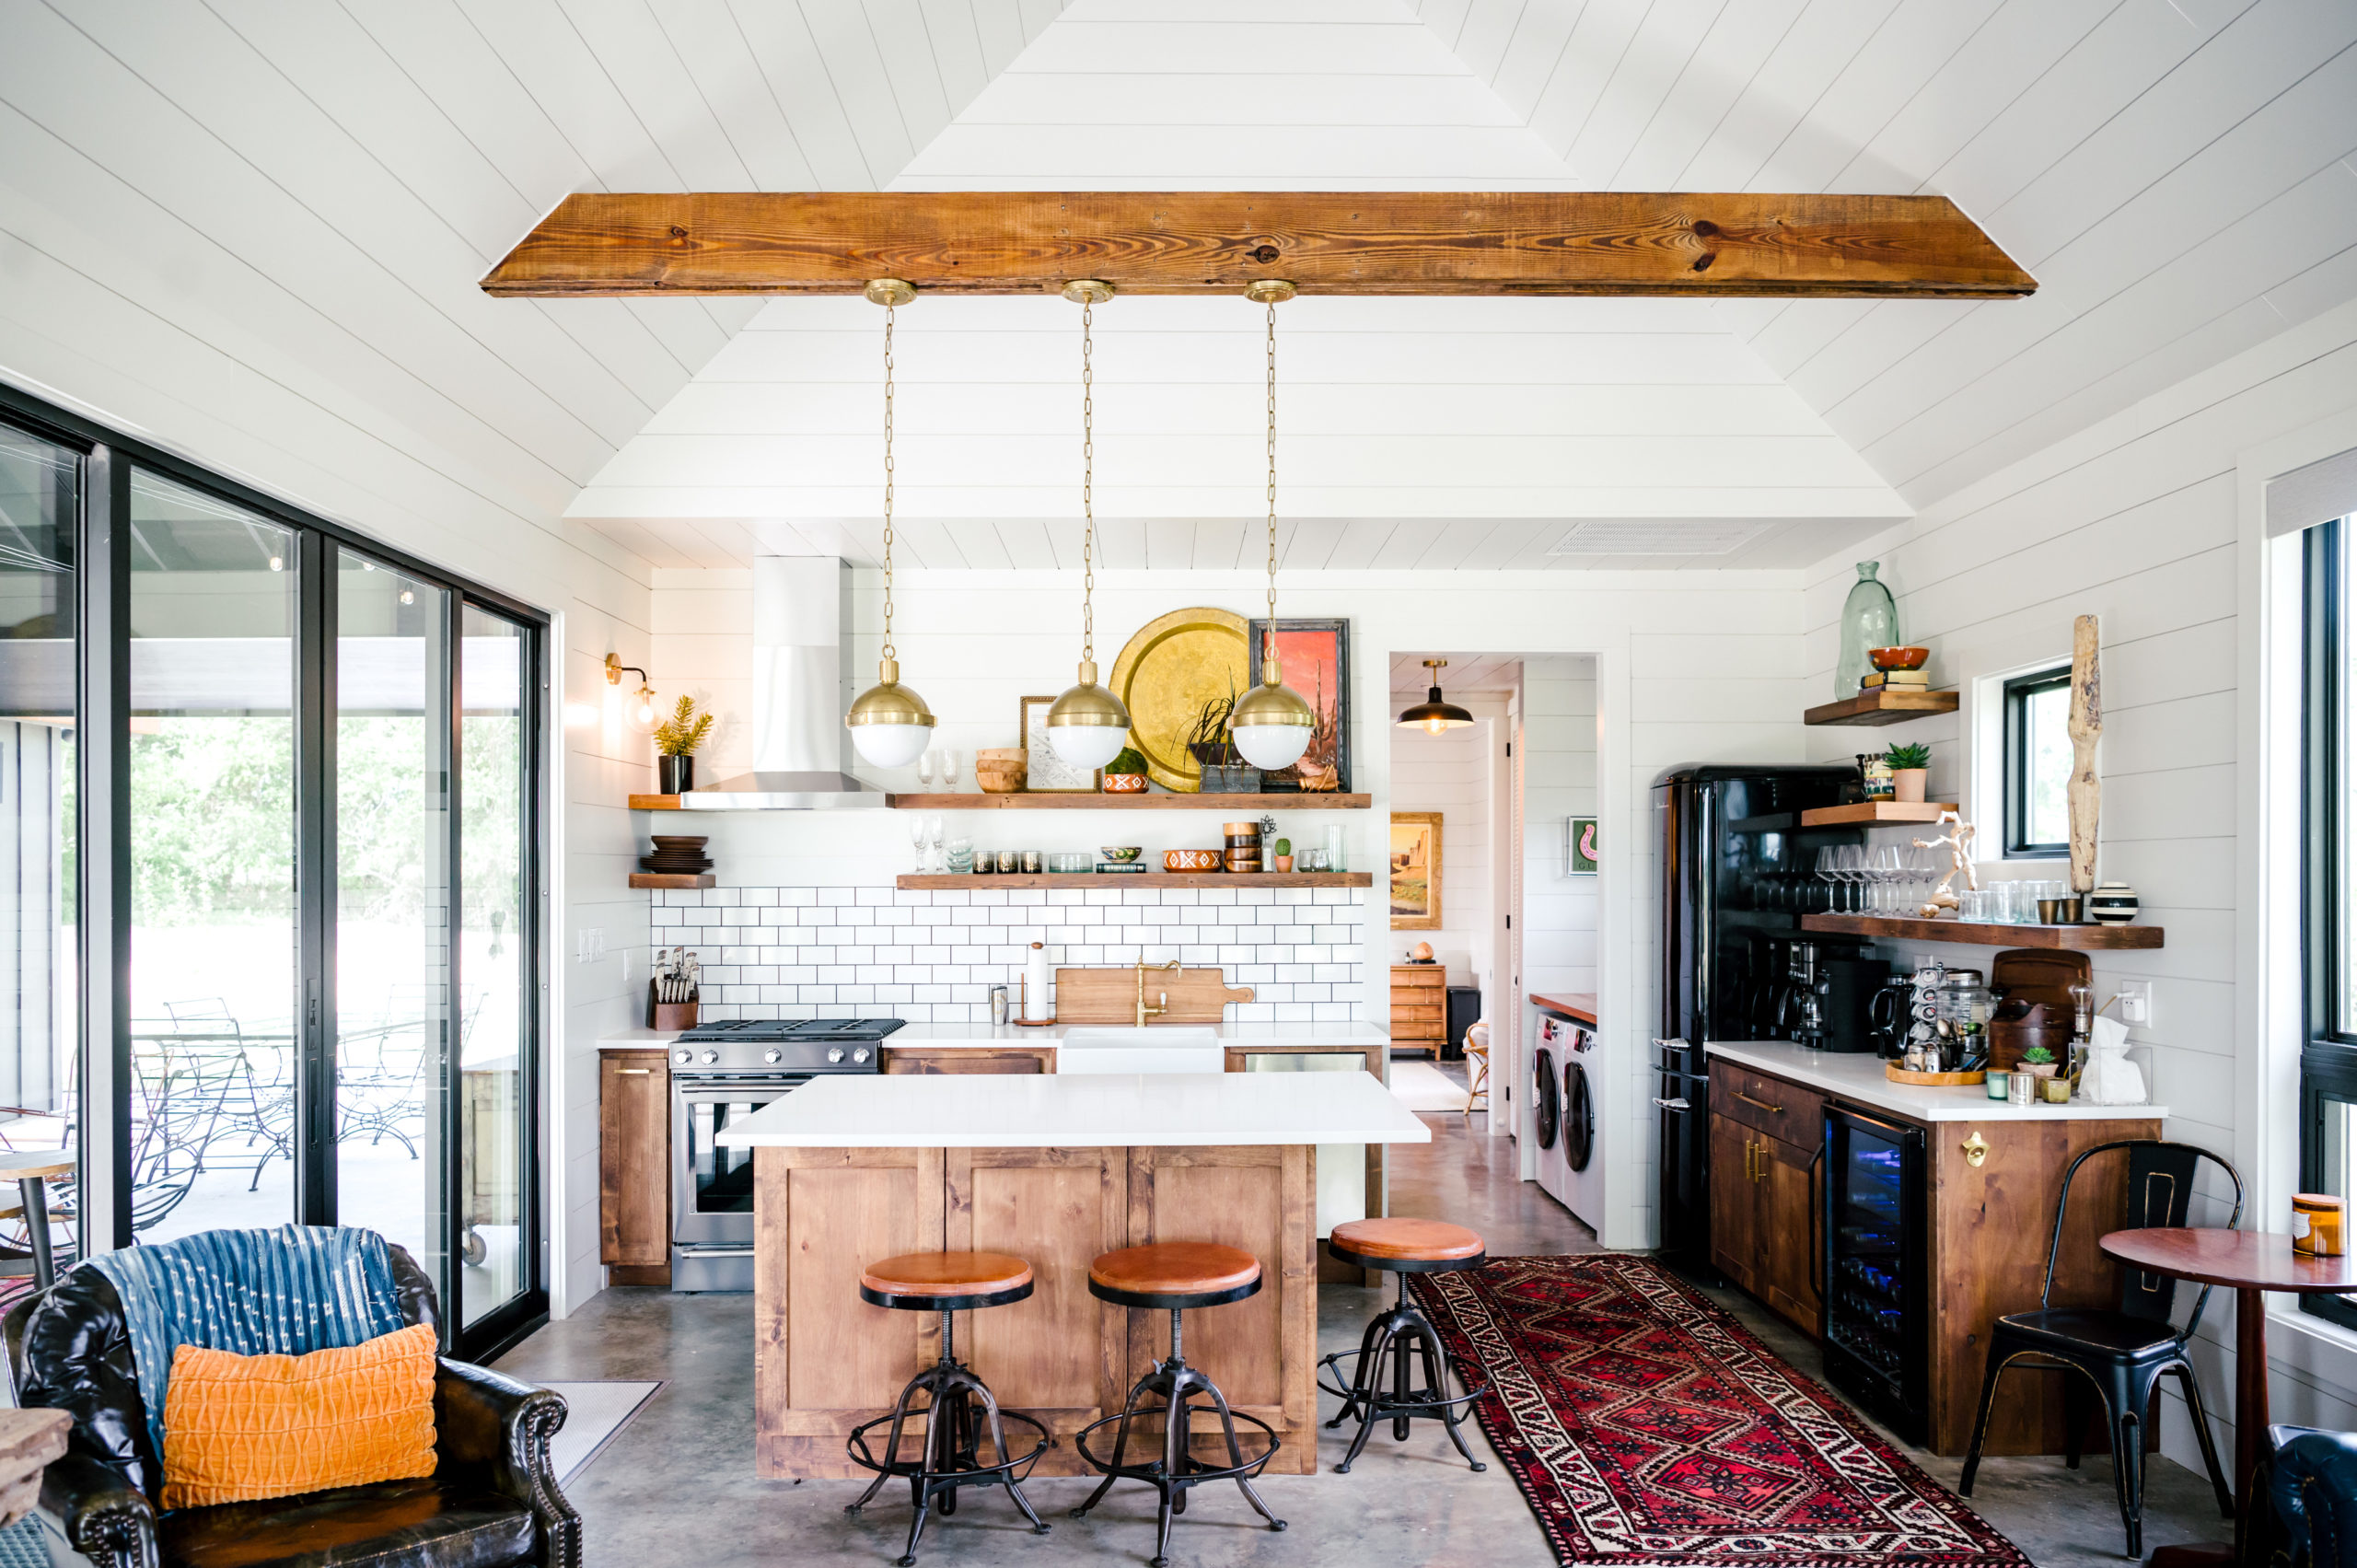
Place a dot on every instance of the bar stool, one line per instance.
(1402, 1246)
(946, 1283)
(1477, 1058)
(1174, 1276)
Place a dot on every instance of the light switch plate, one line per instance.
(589, 945)
(2135, 1002)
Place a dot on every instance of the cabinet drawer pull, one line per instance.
(635, 1072)
(1975, 1151)
(1758, 1104)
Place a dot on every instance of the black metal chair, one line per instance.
(2122, 1351)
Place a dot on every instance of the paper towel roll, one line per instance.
(1034, 985)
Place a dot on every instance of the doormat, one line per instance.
(594, 1413)
(1645, 1425)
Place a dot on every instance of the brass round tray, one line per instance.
(1164, 675)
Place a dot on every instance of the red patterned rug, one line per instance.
(1645, 1425)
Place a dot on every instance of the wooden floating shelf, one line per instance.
(2078, 938)
(1882, 706)
(669, 880)
(655, 803)
(1868, 813)
(1140, 879)
(1082, 800)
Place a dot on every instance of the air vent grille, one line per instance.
(1650, 537)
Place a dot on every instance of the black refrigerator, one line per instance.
(1737, 871)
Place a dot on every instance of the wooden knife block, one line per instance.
(1110, 995)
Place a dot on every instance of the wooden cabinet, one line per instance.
(634, 1165)
(1419, 1003)
(1764, 1212)
(956, 1059)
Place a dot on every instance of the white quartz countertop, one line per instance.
(1857, 1077)
(1109, 1111)
(1359, 1034)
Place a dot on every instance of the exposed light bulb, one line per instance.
(278, 563)
(409, 596)
(643, 714)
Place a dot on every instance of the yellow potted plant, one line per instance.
(676, 740)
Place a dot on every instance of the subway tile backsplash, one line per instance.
(933, 955)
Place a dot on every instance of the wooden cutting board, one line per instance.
(1110, 995)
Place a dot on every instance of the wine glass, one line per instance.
(1849, 868)
(933, 830)
(924, 772)
(1889, 866)
(950, 770)
(916, 838)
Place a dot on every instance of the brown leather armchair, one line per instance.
(491, 1503)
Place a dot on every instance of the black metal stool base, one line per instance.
(958, 1408)
(1399, 1334)
(1176, 1471)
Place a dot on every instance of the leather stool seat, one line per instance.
(1408, 1245)
(1174, 1274)
(954, 1282)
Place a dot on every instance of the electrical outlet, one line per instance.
(2135, 1002)
(589, 945)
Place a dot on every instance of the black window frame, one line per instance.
(2018, 689)
(2328, 1052)
(103, 788)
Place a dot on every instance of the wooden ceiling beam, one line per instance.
(1516, 242)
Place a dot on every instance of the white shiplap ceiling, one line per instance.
(317, 188)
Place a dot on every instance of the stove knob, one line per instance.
(683, 1057)
(710, 1057)
(773, 1056)
(860, 1055)
(834, 1054)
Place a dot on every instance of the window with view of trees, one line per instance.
(2038, 763)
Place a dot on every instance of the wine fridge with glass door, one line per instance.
(1877, 1296)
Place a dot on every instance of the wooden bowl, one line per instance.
(1123, 783)
(1191, 860)
(1001, 771)
(1899, 658)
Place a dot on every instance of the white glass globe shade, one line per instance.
(891, 745)
(1087, 745)
(1268, 746)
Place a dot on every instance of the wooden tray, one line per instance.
(1110, 995)
(1932, 1080)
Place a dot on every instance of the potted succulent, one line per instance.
(676, 740)
(2038, 1061)
(1125, 775)
(1284, 854)
(1908, 764)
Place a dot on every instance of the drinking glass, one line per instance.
(1849, 864)
(950, 770)
(916, 838)
(1825, 872)
(940, 861)
(1889, 866)
(924, 772)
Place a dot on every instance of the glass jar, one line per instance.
(1869, 619)
(1964, 1004)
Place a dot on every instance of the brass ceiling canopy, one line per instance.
(1088, 291)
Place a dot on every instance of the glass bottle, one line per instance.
(1869, 619)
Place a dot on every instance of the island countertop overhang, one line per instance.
(1176, 1109)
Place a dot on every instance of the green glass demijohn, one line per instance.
(1869, 619)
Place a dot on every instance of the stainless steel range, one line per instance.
(720, 1074)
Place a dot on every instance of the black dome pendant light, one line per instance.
(1433, 715)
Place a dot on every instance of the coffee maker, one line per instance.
(1848, 991)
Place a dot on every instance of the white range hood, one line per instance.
(801, 749)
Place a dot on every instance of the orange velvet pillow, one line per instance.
(237, 1428)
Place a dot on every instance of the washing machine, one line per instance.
(1547, 1118)
(1583, 1190)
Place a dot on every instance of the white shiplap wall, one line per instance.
(1453, 773)
(1689, 667)
(1559, 780)
(2134, 520)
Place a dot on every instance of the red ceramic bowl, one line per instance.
(1899, 658)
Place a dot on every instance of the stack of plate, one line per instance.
(677, 856)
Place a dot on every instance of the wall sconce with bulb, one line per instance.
(640, 713)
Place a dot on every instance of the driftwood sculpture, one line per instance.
(2085, 790)
(1958, 842)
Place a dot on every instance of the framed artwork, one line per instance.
(1580, 840)
(1048, 773)
(1316, 657)
(1416, 869)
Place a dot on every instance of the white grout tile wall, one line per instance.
(932, 955)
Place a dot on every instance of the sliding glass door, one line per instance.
(271, 869)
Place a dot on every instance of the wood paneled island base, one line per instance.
(825, 1361)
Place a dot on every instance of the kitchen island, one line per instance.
(1055, 1169)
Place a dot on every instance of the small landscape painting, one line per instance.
(1581, 842)
(1415, 870)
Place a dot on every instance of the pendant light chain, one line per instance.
(888, 482)
(1269, 641)
(1087, 492)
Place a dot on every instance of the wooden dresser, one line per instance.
(1419, 1004)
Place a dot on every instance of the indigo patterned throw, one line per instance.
(283, 1292)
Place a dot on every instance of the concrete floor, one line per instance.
(676, 1484)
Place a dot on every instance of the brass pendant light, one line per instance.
(1433, 715)
(1273, 723)
(889, 724)
(1087, 725)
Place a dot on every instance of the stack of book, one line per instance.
(1104, 866)
(1895, 680)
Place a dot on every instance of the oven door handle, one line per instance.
(1678, 1104)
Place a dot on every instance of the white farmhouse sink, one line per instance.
(1175, 1048)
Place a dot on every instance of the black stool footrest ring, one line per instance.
(1196, 1471)
(1385, 1405)
(1017, 1469)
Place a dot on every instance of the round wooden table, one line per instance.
(2250, 1263)
(29, 1168)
